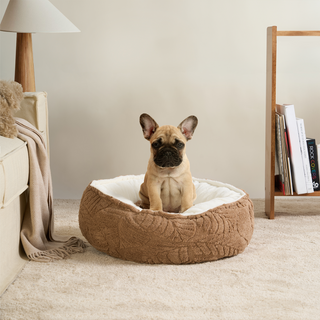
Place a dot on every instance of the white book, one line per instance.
(298, 178)
(305, 154)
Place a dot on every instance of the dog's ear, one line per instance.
(149, 126)
(187, 126)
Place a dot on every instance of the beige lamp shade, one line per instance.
(33, 16)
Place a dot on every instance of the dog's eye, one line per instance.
(180, 145)
(156, 144)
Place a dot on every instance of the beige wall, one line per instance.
(170, 59)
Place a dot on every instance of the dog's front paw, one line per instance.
(183, 209)
(156, 208)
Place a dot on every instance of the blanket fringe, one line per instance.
(73, 245)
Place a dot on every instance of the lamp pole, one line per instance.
(24, 72)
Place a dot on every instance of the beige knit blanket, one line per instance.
(37, 232)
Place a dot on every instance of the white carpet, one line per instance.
(277, 277)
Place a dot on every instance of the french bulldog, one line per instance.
(168, 182)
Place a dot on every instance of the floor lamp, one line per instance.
(26, 17)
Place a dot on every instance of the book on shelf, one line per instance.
(279, 166)
(314, 163)
(288, 174)
(290, 177)
(318, 151)
(283, 178)
(297, 168)
(305, 154)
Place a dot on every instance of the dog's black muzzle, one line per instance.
(167, 157)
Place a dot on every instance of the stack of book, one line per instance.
(297, 165)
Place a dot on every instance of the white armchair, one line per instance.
(14, 175)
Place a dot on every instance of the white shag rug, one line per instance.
(276, 277)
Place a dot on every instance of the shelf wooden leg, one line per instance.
(270, 121)
(269, 205)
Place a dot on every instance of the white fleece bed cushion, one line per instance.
(210, 194)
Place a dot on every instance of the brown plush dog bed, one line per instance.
(220, 224)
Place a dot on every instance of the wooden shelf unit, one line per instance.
(270, 190)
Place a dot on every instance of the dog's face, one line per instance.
(168, 143)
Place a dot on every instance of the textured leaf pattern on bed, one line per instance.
(146, 236)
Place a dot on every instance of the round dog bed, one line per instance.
(220, 224)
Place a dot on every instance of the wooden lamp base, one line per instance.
(24, 73)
